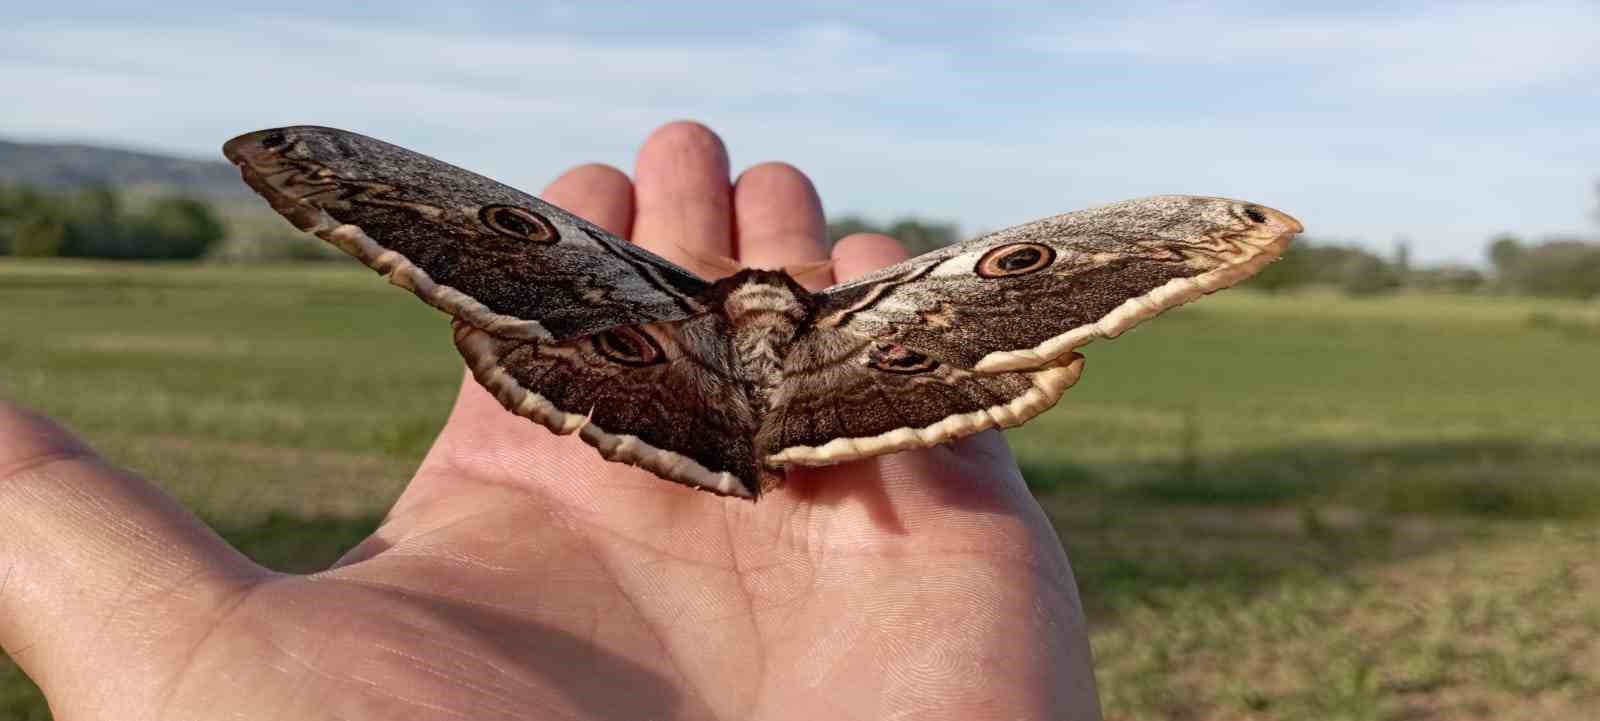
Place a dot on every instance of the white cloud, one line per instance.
(1448, 48)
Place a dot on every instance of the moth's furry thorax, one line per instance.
(766, 310)
(751, 296)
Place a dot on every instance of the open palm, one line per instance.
(521, 576)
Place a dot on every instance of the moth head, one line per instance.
(756, 292)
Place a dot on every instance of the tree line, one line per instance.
(98, 222)
(1552, 267)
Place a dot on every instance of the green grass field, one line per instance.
(1278, 507)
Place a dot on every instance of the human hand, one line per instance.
(522, 576)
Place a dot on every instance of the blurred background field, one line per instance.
(1292, 505)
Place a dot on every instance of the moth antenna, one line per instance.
(804, 269)
(719, 263)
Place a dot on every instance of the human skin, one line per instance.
(519, 575)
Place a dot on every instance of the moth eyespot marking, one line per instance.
(519, 223)
(892, 358)
(1014, 259)
(273, 140)
(1254, 214)
(629, 346)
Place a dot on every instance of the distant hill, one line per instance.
(65, 166)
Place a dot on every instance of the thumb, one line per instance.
(102, 576)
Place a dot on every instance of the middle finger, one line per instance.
(684, 206)
(779, 223)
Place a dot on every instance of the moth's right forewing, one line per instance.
(1025, 296)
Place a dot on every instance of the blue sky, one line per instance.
(1439, 123)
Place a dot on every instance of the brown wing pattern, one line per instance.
(845, 397)
(493, 256)
(660, 396)
(1022, 297)
(981, 334)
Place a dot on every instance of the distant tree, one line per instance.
(18, 200)
(1560, 267)
(919, 236)
(1402, 256)
(177, 228)
(1297, 267)
(1504, 250)
(95, 205)
(19, 206)
(1352, 270)
(39, 236)
(1448, 278)
(1362, 273)
(9, 216)
(93, 223)
(849, 225)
